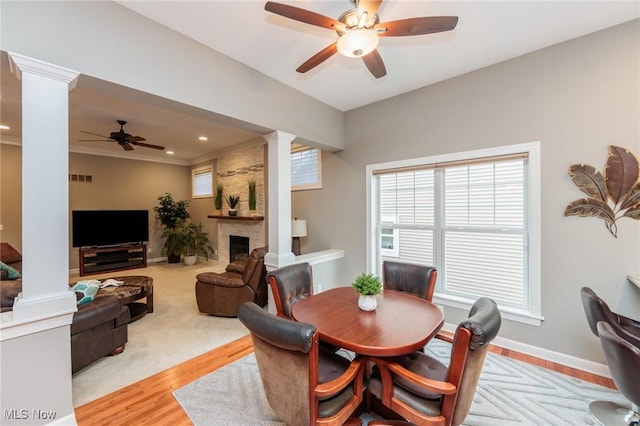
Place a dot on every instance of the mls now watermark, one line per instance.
(25, 414)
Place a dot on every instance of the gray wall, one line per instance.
(576, 98)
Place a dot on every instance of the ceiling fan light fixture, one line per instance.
(358, 42)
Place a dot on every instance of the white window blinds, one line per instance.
(306, 170)
(202, 182)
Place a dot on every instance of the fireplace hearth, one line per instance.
(238, 248)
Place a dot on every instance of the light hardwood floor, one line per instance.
(150, 401)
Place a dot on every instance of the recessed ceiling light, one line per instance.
(170, 152)
(4, 127)
(203, 138)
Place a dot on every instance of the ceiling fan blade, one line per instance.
(374, 63)
(318, 58)
(94, 134)
(302, 15)
(135, 139)
(126, 146)
(417, 26)
(146, 145)
(371, 6)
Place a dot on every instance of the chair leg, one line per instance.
(610, 413)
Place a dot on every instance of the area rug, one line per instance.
(510, 392)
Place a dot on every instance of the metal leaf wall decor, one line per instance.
(612, 196)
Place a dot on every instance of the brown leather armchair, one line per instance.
(222, 294)
(423, 390)
(418, 280)
(304, 384)
(99, 328)
(289, 285)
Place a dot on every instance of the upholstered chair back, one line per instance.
(293, 371)
(597, 310)
(483, 324)
(289, 285)
(418, 280)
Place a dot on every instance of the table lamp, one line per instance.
(298, 229)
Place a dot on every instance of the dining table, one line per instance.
(400, 324)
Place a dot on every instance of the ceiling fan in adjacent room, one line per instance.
(359, 30)
(124, 139)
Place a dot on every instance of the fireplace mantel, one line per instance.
(215, 216)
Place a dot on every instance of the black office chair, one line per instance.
(623, 359)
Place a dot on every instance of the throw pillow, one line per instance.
(12, 273)
(86, 290)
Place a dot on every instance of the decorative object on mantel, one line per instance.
(368, 286)
(252, 196)
(232, 202)
(171, 213)
(217, 200)
(614, 196)
(298, 229)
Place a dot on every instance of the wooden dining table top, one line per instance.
(399, 325)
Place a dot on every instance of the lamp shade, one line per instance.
(357, 43)
(298, 228)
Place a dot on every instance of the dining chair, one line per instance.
(289, 285)
(623, 359)
(628, 329)
(418, 280)
(597, 310)
(423, 390)
(304, 385)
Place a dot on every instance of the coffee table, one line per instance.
(132, 289)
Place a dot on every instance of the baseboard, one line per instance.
(601, 370)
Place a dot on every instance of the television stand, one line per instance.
(94, 260)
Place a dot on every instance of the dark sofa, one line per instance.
(98, 328)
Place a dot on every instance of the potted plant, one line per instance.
(232, 202)
(217, 200)
(170, 213)
(252, 196)
(195, 243)
(173, 242)
(368, 286)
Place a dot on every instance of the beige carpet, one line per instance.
(173, 333)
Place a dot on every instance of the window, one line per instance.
(306, 168)
(472, 215)
(202, 182)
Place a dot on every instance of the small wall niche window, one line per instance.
(306, 167)
(202, 182)
(473, 215)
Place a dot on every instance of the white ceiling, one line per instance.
(487, 33)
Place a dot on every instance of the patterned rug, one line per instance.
(510, 392)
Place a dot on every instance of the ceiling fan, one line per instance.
(359, 30)
(124, 139)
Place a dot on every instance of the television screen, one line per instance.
(109, 227)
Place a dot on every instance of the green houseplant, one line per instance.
(252, 195)
(217, 200)
(368, 286)
(171, 213)
(232, 202)
(195, 243)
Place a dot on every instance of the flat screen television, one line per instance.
(109, 227)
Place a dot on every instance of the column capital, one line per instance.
(279, 135)
(20, 63)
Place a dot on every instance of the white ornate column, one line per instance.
(279, 151)
(45, 188)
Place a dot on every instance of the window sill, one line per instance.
(507, 313)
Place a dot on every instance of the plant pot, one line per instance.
(173, 258)
(233, 212)
(367, 303)
(190, 259)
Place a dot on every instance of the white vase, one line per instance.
(189, 260)
(367, 303)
